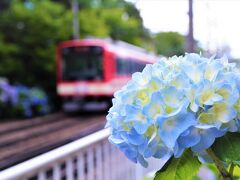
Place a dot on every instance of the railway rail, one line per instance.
(21, 140)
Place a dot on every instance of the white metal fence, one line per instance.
(89, 158)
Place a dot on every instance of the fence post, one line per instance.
(138, 172)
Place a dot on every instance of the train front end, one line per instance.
(82, 75)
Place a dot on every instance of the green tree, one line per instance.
(92, 25)
(28, 35)
(169, 43)
(30, 30)
(121, 26)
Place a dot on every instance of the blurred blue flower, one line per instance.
(7, 92)
(39, 99)
(22, 100)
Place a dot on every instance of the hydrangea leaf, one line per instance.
(185, 167)
(227, 148)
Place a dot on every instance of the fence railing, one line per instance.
(89, 158)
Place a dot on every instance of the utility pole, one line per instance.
(190, 38)
(75, 10)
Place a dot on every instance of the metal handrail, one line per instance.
(43, 161)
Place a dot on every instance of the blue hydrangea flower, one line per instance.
(174, 104)
(39, 99)
(7, 92)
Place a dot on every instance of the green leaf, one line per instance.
(227, 148)
(185, 167)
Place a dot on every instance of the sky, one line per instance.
(216, 22)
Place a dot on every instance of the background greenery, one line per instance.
(30, 30)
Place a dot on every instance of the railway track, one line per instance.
(23, 139)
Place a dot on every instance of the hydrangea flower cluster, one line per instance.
(33, 101)
(174, 104)
(7, 92)
(29, 101)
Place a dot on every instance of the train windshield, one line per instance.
(82, 63)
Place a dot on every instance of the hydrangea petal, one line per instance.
(207, 95)
(172, 97)
(195, 73)
(129, 151)
(140, 127)
(180, 82)
(207, 138)
(223, 112)
(171, 127)
(134, 138)
(212, 70)
(155, 107)
(142, 161)
(178, 150)
(190, 139)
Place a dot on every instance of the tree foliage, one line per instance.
(170, 43)
(31, 29)
(29, 33)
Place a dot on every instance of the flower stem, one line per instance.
(223, 171)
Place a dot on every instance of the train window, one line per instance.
(132, 66)
(120, 66)
(128, 66)
(123, 67)
(140, 66)
(136, 66)
(82, 63)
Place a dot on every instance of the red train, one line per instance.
(89, 71)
